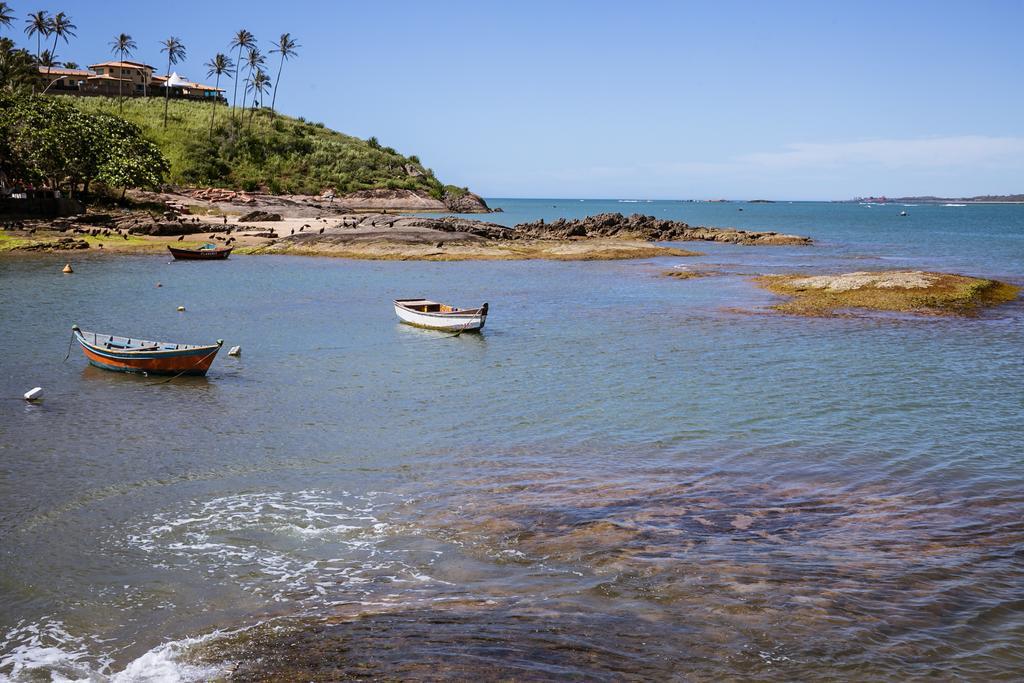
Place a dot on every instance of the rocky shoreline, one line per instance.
(288, 227)
(231, 202)
(644, 227)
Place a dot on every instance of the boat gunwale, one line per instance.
(142, 354)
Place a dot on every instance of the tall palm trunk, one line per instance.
(234, 97)
(167, 88)
(213, 111)
(37, 66)
(244, 89)
(120, 97)
(53, 54)
(273, 98)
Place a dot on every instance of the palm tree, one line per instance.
(38, 25)
(219, 66)
(123, 45)
(254, 61)
(6, 15)
(246, 40)
(70, 65)
(286, 48)
(175, 50)
(60, 27)
(48, 59)
(259, 86)
(17, 70)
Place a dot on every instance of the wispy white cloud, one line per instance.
(966, 150)
(967, 164)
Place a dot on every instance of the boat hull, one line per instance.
(468, 321)
(200, 254)
(190, 361)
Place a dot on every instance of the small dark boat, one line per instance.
(207, 252)
(126, 354)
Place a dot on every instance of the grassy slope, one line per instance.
(279, 154)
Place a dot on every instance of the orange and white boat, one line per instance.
(128, 354)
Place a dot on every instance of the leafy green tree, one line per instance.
(175, 50)
(286, 47)
(219, 66)
(61, 28)
(129, 159)
(242, 40)
(50, 141)
(123, 46)
(70, 65)
(53, 142)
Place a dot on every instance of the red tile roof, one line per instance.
(130, 65)
(61, 71)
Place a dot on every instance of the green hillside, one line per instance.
(277, 154)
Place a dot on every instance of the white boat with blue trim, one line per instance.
(434, 315)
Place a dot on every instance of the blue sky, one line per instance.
(787, 100)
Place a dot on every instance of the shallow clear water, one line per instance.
(625, 475)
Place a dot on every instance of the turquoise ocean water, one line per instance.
(624, 476)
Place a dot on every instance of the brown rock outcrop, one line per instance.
(466, 203)
(650, 228)
(259, 216)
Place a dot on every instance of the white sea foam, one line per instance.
(167, 663)
(46, 649)
(313, 548)
(31, 649)
(271, 544)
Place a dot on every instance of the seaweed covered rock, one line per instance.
(893, 290)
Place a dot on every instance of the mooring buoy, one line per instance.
(67, 269)
(181, 309)
(34, 394)
(235, 351)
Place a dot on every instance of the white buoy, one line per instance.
(181, 309)
(34, 394)
(67, 270)
(235, 351)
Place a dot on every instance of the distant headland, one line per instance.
(929, 199)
